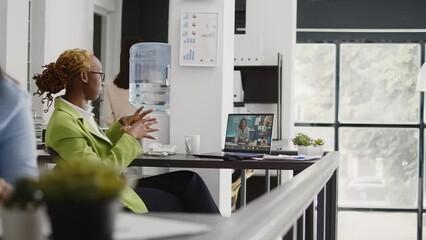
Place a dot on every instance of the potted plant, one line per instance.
(81, 199)
(307, 145)
(23, 210)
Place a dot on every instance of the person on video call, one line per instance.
(242, 134)
(73, 133)
(116, 100)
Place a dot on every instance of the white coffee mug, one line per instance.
(192, 144)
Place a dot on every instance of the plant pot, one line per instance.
(310, 151)
(76, 220)
(22, 224)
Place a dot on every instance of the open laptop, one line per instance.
(247, 135)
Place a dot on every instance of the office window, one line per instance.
(314, 81)
(376, 225)
(376, 130)
(424, 170)
(378, 83)
(378, 167)
(424, 225)
(424, 101)
(424, 166)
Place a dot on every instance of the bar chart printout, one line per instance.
(198, 39)
(189, 56)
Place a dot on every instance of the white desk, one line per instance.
(151, 226)
(133, 226)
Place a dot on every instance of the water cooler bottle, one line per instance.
(149, 81)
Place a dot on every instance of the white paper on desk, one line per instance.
(288, 157)
(132, 226)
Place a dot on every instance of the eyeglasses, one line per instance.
(100, 73)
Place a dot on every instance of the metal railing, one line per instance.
(303, 208)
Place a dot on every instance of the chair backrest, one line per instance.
(53, 154)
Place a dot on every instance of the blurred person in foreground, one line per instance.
(73, 133)
(18, 157)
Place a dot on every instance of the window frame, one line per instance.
(340, 38)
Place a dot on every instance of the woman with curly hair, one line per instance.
(73, 133)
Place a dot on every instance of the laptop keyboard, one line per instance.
(248, 155)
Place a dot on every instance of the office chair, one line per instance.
(235, 187)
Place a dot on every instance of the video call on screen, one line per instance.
(249, 132)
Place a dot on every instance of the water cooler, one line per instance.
(149, 79)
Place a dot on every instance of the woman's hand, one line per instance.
(139, 124)
(136, 116)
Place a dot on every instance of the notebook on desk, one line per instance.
(247, 135)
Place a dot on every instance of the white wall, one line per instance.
(14, 39)
(201, 97)
(276, 23)
(58, 25)
(108, 5)
(111, 34)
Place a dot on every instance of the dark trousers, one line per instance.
(180, 191)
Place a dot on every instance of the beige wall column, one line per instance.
(14, 39)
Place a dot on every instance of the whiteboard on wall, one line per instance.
(198, 39)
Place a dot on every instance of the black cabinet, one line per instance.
(262, 84)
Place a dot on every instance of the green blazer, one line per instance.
(72, 137)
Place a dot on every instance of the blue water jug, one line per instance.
(149, 76)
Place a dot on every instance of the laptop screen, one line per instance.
(249, 132)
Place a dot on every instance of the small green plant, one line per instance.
(26, 194)
(318, 142)
(81, 181)
(303, 139)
